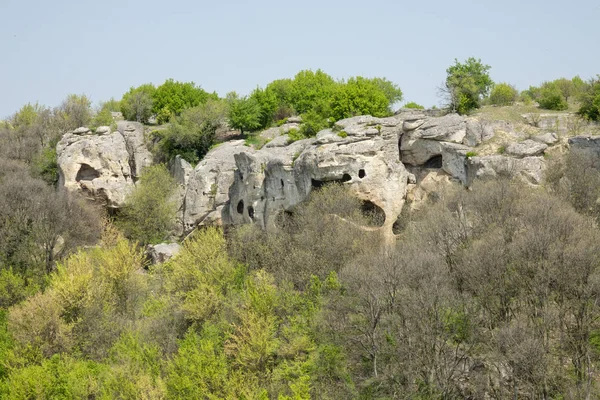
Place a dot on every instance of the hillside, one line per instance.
(302, 242)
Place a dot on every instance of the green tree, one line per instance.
(149, 213)
(359, 96)
(390, 89)
(244, 113)
(172, 97)
(311, 91)
(193, 133)
(466, 84)
(137, 103)
(267, 102)
(590, 100)
(503, 94)
(76, 111)
(552, 97)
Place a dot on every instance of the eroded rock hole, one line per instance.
(317, 184)
(361, 173)
(240, 207)
(374, 214)
(282, 184)
(86, 173)
(434, 162)
(251, 212)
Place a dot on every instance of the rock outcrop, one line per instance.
(96, 164)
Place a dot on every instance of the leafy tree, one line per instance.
(267, 102)
(390, 89)
(149, 213)
(137, 103)
(244, 113)
(103, 116)
(552, 97)
(311, 91)
(466, 84)
(566, 86)
(76, 111)
(172, 97)
(503, 94)
(360, 96)
(590, 100)
(193, 133)
(282, 90)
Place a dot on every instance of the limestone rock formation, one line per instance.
(159, 253)
(526, 148)
(274, 179)
(98, 165)
(139, 155)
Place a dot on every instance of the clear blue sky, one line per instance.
(101, 48)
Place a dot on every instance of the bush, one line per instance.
(149, 213)
(466, 83)
(192, 134)
(312, 123)
(244, 113)
(172, 97)
(590, 100)
(552, 98)
(359, 96)
(503, 94)
(414, 105)
(137, 103)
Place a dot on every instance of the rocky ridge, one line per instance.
(384, 161)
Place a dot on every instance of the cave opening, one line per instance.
(86, 173)
(434, 162)
(240, 207)
(251, 212)
(317, 184)
(374, 214)
(361, 173)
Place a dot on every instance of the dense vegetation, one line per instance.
(487, 292)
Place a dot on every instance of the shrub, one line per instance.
(359, 96)
(149, 213)
(342, 134)
(414, 105)
(192, 134)
(244, 113)
(172, 97)
(466, 83)
(503, 94)
(590, 100)
(552, 98)
(137, 103)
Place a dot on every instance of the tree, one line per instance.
(412, 104)
(503, 94)
(390, 89)
(137, 103)
(193, 133)
(149, 213)
(590, 100)
(76, 111)
(172, 97)
(311, 91)
(552, 97)
(466, 84)
(360, 96)
(244, 113)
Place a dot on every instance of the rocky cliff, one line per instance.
(385, 162)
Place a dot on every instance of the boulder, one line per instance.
(274, 132)
(526, 148)
(103, 130)
(449, 128)
(548, 138)
(98, 165)
(528, 169)
(159, 253)
(477, 132)
(82, 131)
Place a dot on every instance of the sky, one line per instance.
(49, 49)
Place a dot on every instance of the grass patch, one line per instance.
(255, 141)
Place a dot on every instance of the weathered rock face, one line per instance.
(159, 253)
(139, 155)
(274, 179)
(208, 185)
(95, 164)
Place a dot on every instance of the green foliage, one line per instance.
(268, 103)
(312, 123)
(471, 154)
(149, 213)
(172, 97)
(45, 165)
(466, 83)
(503, 94)
(103, 117)
(359, 96)
(590, 100)
(137, 103)
(551, 97)
(414, 105)
(342, 134)
(295, 135)
(192, 134)
(60, 377)
(244, 113)
(392, 92)
(311, 91)
(13, 288)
